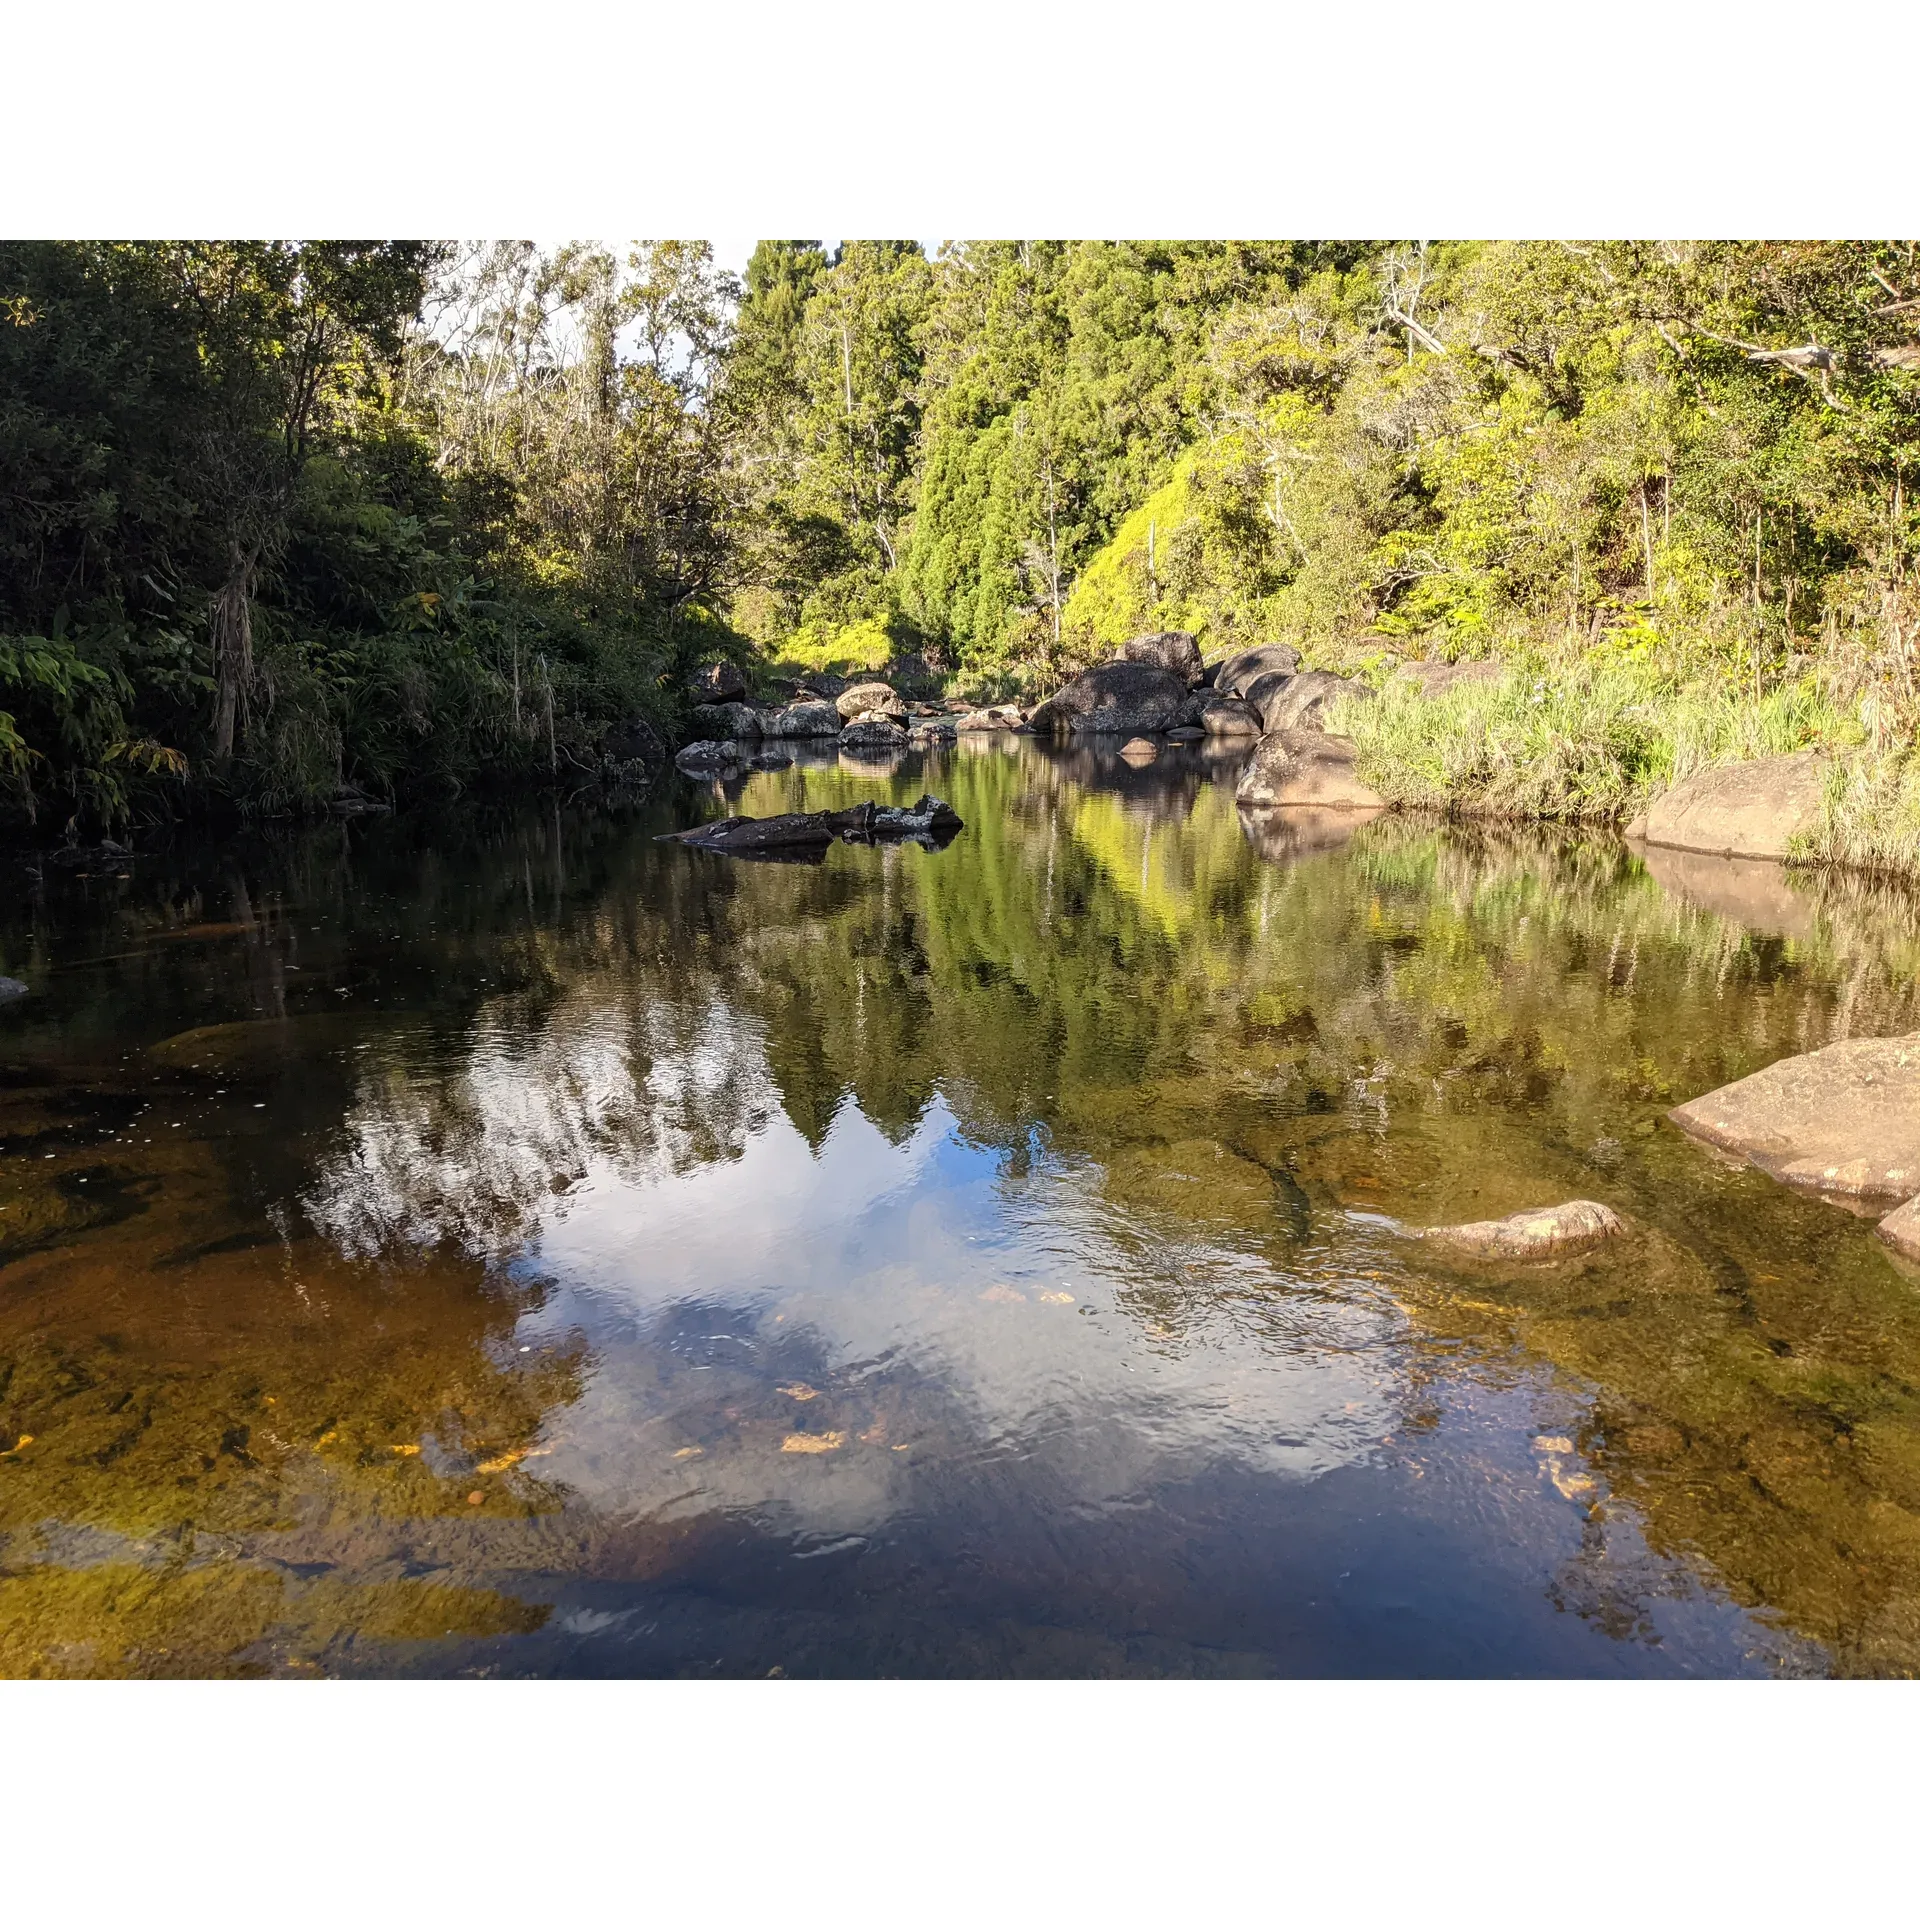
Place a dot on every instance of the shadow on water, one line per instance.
(507, 1244)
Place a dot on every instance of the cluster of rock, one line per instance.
(1156, 688)
(868, 719)
(1158, 685)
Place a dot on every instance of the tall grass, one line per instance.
(1588, 736)
(1871, 822)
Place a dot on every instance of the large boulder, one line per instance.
(872, 736)
(1753, 809)
(870, 696)
(1843, 1121)
(1304, 770)
(1301, 702)
(1238, 671)
(711, 759)
(1120, 696)
(1176, 652)
(721, 680)
(803, 720)
(1541, 1233)
(726, 720)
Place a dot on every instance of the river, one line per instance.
(506, 1244)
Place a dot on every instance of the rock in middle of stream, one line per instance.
(931, 822)
(1540, 1233)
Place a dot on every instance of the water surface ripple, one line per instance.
(507, 1244)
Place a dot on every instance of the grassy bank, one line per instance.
(1594, 734)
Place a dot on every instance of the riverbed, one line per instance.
(504, 1243)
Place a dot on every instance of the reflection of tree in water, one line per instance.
(469, 1157)
(1440, 1023)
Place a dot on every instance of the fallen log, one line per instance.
(928, 820)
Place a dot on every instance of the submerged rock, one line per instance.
(1539, 1233)
(1753, 809)
(1120, 696)
(932, 733)
(1185, 735)
(1304, 770)
(10, 988)
(803, 720)
(1176, 652)
(722, 680)
(770, 762)
(1843, 1121)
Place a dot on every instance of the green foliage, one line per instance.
(298, 514)
(1119, 594)
(865, 646)
(385, 513)
(1572, 737)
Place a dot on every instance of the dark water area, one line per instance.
(515, 1246)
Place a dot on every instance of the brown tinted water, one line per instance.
(516, 1246)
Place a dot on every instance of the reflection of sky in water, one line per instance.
(989, 1297)
(980, 1341)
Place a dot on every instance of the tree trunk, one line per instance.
(231, 619)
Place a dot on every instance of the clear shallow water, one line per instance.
(516, 1246)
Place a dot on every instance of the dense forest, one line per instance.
(285, 520)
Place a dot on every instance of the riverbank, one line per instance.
(1819, 763)
(1597, 737)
